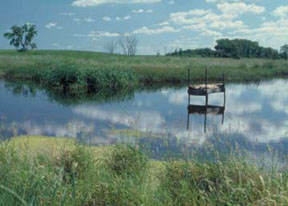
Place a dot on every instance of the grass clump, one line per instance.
(50, 171)
(109, 78)
(127, 161)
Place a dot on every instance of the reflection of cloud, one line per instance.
(72, 129)
(144, 120)
(238, 108)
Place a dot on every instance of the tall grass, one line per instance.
(49, 171)
(92, 69)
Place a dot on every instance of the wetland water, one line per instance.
(255, 115)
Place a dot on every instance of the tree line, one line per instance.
(235, 48)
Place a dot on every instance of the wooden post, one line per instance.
(205, 122)
(188, 78)
(188, 87)
(224, 104)
(206, 88)
(206, 80)
(188, 119)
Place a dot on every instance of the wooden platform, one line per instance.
(203, 89)
(203, 109)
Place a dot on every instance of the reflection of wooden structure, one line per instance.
(204, 110)
(205, 90)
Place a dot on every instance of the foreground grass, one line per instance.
(104, 70)
(50, 171)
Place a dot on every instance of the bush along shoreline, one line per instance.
(68, 73)
(51, 171)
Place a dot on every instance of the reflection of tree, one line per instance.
(102, 96)
(79, 96)
(21, 88)
(71, 97)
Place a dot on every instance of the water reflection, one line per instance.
(255, 115)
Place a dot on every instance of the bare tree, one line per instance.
(111, 46)
(129, 44)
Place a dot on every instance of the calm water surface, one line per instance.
(255, 115)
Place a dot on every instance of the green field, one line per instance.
(91, 69)
(55, 171)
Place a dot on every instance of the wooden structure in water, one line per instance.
(205, 90)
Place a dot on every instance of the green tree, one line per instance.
(284, 51)
(21, 37)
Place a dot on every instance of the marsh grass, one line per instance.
(50, 171)
(95, 70)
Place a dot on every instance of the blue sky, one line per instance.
(160, 25)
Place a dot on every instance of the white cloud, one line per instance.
(76, 19)
(89, 20)
(139, 11)
(164, 23)
(89, 3)
(56, 45)
(66, 14)
(51, 25)
(146, 30)
(183, 43)
(106, 18)
(281, 11)
(126, 17)
(270, 33)
(94, 34)
(123, 19)
(208, 32)
(239, 8)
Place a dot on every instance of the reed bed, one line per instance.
(102, 70)
(50, 171)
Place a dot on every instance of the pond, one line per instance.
(255, 117)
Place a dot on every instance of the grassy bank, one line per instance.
(50, 171)
(92, 69)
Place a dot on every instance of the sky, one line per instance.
(159, 25)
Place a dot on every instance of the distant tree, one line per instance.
(21, 36)
(129, 44)
(111, 46)
(284, 51)
(235, 48)
(158, 53)
(243, 48)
